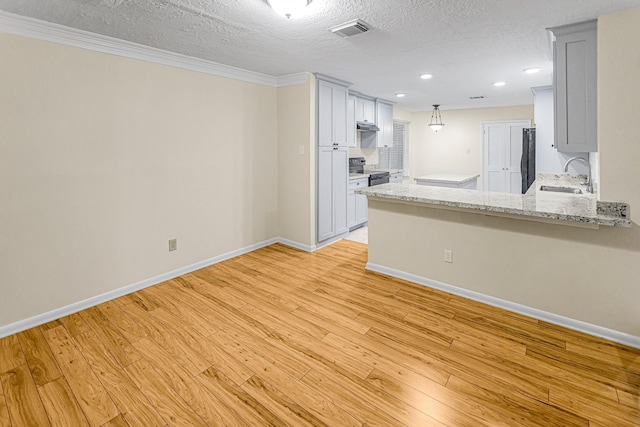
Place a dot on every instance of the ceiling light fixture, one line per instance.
(288, 8)
(532, 70)
(426, 76)
(499, 84)
(436, 119)
(400, 95)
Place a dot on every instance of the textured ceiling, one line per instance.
(466, 44)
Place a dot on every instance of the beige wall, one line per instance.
(457, 148)
(103, 159)
(583, 274)
(296, 147)
(618, 108)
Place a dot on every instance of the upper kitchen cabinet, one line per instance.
(365, 109)
(575, 87)
(384, 113)
(332, 114)
(351, 120)
(384, 120)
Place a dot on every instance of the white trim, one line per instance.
(57, 313)
(293, 79)
(56, 33)
(576, 325)
(297, 245)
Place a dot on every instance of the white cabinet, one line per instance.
(385, 123)
(575, 87)
(351, 121)
(332, 114)
(357, 203)
(333, 176)
(333, 158)
(365, 110)
(384, 120)
(396, 177)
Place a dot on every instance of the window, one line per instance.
(396, 157)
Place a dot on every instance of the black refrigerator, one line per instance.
(528, 160)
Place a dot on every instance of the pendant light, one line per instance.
(288, 8)
(436, 119)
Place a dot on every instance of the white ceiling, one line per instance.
(466, 44)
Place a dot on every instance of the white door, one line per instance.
(502, 142)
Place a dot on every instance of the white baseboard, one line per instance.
(39, 319)
(297, 245)
(576, 325)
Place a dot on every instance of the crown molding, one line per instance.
(56, 33)
(293, 79)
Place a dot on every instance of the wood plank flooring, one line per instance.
(282, 337)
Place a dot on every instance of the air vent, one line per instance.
(350, 28)
(477, 97)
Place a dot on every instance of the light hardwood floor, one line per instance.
(282, 337)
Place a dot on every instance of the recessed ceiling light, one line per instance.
(425, 76)
(499, 84)
(532, 70)
(400, 95)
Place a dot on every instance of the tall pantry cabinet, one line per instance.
(333, 158)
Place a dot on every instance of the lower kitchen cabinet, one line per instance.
(333, 177)
(357, 203)
(397, 177)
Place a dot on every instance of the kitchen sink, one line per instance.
(560, 189)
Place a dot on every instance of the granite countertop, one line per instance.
(535, 204)
(376, 169)
(447, 178)
(354, 176)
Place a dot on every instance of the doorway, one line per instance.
(502, 150)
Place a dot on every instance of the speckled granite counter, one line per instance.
(575, 209)
(353, 176)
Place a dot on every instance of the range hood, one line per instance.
(367, 127)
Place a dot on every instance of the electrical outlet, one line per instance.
(448, 255)
(173, 245)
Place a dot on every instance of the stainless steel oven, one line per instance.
(356, 165)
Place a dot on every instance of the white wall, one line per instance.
(583, 274)
(103, 159)
(457, 148)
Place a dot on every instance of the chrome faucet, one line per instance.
(589, 184)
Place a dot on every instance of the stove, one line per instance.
(356, 165)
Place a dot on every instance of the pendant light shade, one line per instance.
(436, 119)
(288, 8)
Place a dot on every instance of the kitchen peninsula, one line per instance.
(536, 205)
(561, 258)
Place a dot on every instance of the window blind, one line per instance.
(395, 157)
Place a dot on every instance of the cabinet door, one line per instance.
(340, 95)
(340, 183)
(362, 214)
(575, 84)
(369, 111)
(351, 121)
(396, 177)
(325, 193)
(351, 208)
(385, 123)
(359, 109)
(325, 114)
